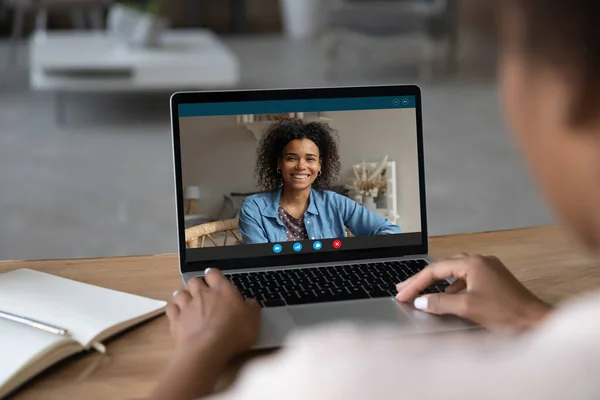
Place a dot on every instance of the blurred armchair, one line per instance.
(195, 237)
(431, 26)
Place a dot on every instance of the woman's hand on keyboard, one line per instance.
(212, 311)
(484, 292)
(211, 323)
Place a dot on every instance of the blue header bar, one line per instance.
(285, 106)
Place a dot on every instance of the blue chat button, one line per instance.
(277, 248)
(317, 245)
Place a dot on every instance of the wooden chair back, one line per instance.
(196, 236)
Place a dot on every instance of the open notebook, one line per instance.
(90, 314)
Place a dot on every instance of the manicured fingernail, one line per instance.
(421, 303)
(206, 271)
(398, 297)
(175, 293)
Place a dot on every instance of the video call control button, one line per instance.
(297, 246)
(337, 244)
(277, 248)
(317, 245)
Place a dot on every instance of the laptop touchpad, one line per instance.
(369, 311)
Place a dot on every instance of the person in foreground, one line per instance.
(297, 162)
(550, 58)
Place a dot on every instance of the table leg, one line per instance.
(41, 19)
(15, 37)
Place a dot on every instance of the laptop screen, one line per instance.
(298, 179)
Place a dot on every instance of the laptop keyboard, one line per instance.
(289, 287)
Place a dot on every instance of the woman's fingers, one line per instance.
(460, 255)
(214, 277)
(196, 285)
(457, 286)
(181, 298)
(443, 304)
(403, 284)
(172, 311)
(253, 303)
(451, 268)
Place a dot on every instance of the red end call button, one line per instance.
(337, 244)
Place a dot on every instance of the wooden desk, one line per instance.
(544, 258)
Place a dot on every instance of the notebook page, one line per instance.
(19, 344)
(85, 310)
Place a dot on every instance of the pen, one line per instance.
(35, 324)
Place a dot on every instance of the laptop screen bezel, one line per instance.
(293, 94)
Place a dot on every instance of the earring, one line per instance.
(279, 170)
(319, 174)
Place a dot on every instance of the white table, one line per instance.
(87, 61)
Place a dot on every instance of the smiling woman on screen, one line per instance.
(297, 162)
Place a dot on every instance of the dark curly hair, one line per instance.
(278, 136)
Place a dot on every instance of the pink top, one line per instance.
(559, 360)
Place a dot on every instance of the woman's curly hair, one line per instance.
(280, 134)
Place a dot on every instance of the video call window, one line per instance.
(244, 173)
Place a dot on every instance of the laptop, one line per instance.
(368, 213)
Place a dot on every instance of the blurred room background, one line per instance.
(85, 145)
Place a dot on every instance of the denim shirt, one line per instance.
(327, 215)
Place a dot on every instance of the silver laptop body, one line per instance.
(188, 110)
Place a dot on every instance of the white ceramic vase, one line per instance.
(302, 19)
(135, 28)
(382, 201)
(369, 203)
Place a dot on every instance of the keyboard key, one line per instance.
(272, 296)
(273, 303)
(252, 285)
(404, 274)
(340, 293)
(259, 297)
(376, 293)
(324, 295)
(357, 293)
(299, 276)
(354, 282)
(291, 298)
(306, 296)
